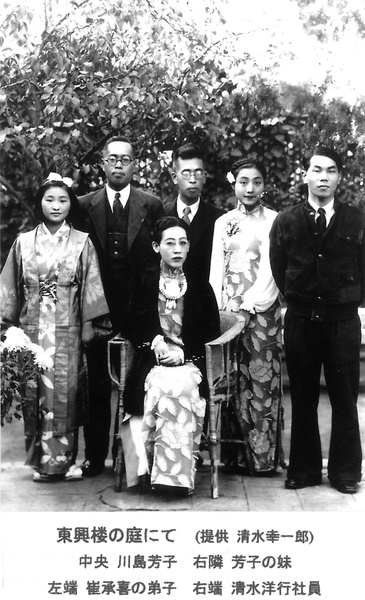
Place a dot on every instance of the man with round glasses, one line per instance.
(112, 160)
(189, 176)
(119, 219)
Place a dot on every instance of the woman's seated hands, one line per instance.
(167, 357)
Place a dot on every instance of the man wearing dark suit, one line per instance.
(189, 175)
(119, 220)
(317, 257)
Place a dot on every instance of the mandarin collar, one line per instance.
(256, 211)
(167, 271)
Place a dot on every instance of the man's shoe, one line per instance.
(298, 484)
(91, 469)
(346, 487)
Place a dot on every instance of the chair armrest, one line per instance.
(124, 354)
(218, 351)
(230, 334)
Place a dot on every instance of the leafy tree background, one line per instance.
(268, 81)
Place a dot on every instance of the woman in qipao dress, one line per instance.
(51, 288)
(172, 321)
(242, 281)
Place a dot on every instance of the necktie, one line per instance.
(186, 212)
(321, 221)
(117, 206)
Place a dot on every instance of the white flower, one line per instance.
(230, 177)
(16, 339)
(54, 177)
(57, 177)
(67, 181)
(41, 358)
(232, 226)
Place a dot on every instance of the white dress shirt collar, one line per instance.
(329, 209)
(180, 205)
(124, 195)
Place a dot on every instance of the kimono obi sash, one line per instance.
(61, 289)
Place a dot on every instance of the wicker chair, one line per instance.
(222, 364)
(222, 360)
(120, 356)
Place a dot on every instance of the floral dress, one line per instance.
(50, 285)
(51, 455)
(174, 411)
(242, 280)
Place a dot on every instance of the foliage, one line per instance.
(158, 72)
(333, 19)
(21, 361)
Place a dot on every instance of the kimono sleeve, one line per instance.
(11, 289)
(93, 302)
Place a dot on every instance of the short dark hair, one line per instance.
(247, 163)
(74, 213)
(186, 152)
(117, 138)
(322, 151)
(165, 223)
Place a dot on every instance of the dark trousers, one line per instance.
(309, 345)
(96, 429)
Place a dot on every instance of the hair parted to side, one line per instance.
(247, 163)
(117, 138)
(322, 151)
(186, 152)
(45, 186)
(166, 223)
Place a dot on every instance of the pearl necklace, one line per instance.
(172, 289)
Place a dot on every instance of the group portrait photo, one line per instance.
(182, 256)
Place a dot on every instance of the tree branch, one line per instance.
(4, 182)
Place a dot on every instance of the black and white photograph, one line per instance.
(182, 297)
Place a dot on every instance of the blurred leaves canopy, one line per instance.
(238, 78)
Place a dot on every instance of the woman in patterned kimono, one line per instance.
(171, 323)
(242, 282)
(51, 288)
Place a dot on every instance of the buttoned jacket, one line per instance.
(144, 210)
(311, 269)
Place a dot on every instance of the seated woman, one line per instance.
(171, 322)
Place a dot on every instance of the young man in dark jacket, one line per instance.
(189, 176)
(317, 257)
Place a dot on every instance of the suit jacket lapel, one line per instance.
(137, 214)
(173, 209)
(97, 212)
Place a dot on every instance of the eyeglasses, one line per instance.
(187, 173)
(112, 160)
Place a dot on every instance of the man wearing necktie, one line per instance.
(119, 219)
(317, 257)
(189, 176)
